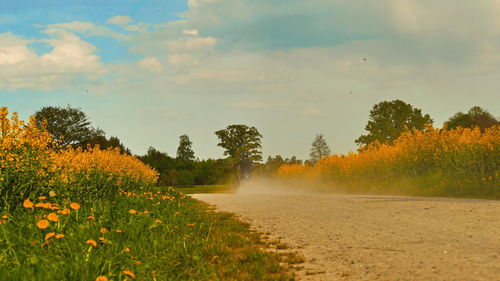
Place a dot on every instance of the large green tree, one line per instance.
(476, 117)
(184, 151)
(70, 126)
(319, 149)
(388, 119)
(238, 139)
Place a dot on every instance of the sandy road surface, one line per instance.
(347, 237)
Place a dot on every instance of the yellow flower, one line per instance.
(53, 217)
(42, 224)
(101, 278)
(59, 236)
(132, 211)
(74, 206)
(129, 273)
(104, 230)
(28, 204)
(52, 194)
(92, 242)
(48, 235)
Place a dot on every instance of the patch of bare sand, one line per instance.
(352, 237)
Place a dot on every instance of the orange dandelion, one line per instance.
(28, 204)
(103, 239)
(65, 211)
(104, 230)
(118, 230)
(190, 224)
(132, 211)
(39, 205)
(74, 206)
(126, 250)
(101, 278)
(92, 242)
(129, 273)
(4, 216)
(90, 217)
(137, 262)
(158, 221)
(42, 224)
(53, 217)
(42, 197)
(49, 235)
(59, 236)
(146, 212)
(47, 205)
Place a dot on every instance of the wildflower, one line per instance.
(28, 204)
(47, 205)
(5, 217)
(129, 273)
(103, 239)
(118, 230)
(158, 221)
(53, 217)
(40, 205)
(190, 224)
(132, 211)
(137, 262)
(92, 242)
(101, 278)
(90, 217)
(126, 250)
(104, 230)
(59, 236)
(49, 235)
(42, 224)
(65, 211)
(52, 194)
(146, 212)
(42, 198)
(74, 206)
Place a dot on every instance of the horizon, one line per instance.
(150, 71)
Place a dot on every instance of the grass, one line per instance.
(157, 235)
(208, 189)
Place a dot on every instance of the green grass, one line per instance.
(208, 189)
(177, 238)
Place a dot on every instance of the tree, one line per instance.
(236, 139)
(319, 149)
(476, 117)
(69, 126)
(389, 119)
(105, 143)
(184, 151)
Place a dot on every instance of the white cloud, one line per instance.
(151, 64)
(193, 32)
(192, 44)
(119, 20)
(70, 57)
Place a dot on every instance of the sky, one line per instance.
(148, 71)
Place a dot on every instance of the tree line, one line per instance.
(387, 121)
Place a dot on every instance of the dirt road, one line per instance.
(346, 237)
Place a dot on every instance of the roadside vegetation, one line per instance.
(74, 213)
(403, 154)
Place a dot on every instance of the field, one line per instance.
(433, 162)
(74, 214)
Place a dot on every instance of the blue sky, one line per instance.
(149, 71)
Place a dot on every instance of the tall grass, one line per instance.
(433, 162)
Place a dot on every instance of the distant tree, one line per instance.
(236, 139)
(184, 151)
(70, 126)
(319, 149)
(105, 143)
(389, 119)
(476, 117)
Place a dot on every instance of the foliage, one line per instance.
(184, 151)
(105, 143)
(147, 235)
(389, 119)
(319, 149)
(238, 139)
(272, 165)
(32, 163)
(67, 125)
(459, 162)
(476, 117)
